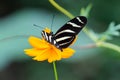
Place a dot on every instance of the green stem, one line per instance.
(109, 45)
(64, 11)
(55, 71)
(90, 34)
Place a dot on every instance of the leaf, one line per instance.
(85, 11)
(113, 30)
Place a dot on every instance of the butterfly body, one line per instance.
(66, 35)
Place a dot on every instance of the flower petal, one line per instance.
(38, 43)
(58, 52)
(54, 56)
(38, 55)
(68, 52)
(31, 52)
(43, 50)
(43, 56)
(34, 52)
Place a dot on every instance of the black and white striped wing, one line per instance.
(46, 36)
(64, 42)
(67, 33)
(49, 38)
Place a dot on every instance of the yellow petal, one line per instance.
(58, 52)
(38, 43)
(33, 52)
(43, 56)
(68, 52)
(54, 56)
(30, 52)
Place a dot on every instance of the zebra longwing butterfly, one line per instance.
(66, 35)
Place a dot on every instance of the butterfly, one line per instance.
(67, 34)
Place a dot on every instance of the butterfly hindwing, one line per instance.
(66, 42)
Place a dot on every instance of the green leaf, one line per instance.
(85, 11)
(113, 30)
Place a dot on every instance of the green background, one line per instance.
(16, 24)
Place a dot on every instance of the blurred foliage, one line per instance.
(112, 31)
(16, 24)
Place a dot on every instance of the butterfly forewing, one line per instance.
(67, 33)
(74, 25)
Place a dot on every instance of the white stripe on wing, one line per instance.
(79, 20)
(74, 25)
(62, 38)
(67, 30)
(50, 40)
(66, 42)
(46, 36)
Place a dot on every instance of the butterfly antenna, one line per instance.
(38, 26)
(52, 21)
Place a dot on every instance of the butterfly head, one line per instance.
(47, 30)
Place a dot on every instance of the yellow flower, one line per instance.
(42, 50)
